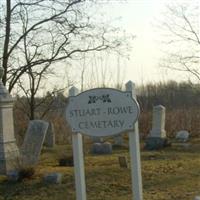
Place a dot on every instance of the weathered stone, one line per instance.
(53, 178)
(158, 124)
(50, 136)
(123, 162)
(96, 148)
(102, 148)
(9, 152)
(33, 142)
(155, 143)
(182, 136)
(157, 137)
(197, 198)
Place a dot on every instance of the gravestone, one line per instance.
(197, 198)
(158, 124)
(101, 148)
(118, 140)
(123, 162)
(157, 137)
(9, 152)
(50, 136)
(33, 141)
(53, 178)
(182, 136)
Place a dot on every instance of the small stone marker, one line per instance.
(53, 178)
(123, 162)
(50, 136)
(182, 136)
(157, 137)
(101, 148)
(197, 198)
(33, 142)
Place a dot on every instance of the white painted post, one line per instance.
(134, 148)
(78, 159)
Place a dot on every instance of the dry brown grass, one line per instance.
(169, 174)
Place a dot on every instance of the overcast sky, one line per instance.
(139, 17)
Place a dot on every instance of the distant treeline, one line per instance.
(172, 95)
(182, 102)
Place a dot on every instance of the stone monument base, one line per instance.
(101, 148)
(155, 143)
(9, 157)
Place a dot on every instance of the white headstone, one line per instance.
(9, 152)
(197, 198)
(158, 124)
(33, 141)
(182, 136)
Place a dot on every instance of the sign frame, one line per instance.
(107, 99)
(134, 148)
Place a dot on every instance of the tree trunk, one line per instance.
(7, 40)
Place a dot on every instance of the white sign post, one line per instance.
(134, 148)
(77, 143)
(104, 112)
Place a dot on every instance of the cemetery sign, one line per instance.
(102, 112)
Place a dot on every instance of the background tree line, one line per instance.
(182, 102)
(171, 94)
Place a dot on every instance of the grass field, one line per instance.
(169, 174)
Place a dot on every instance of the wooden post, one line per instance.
(134, 148)
(78, 159)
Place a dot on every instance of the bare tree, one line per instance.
(43, 32)
(36, 34)
(182, 37)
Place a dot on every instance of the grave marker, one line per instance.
(157, 137)
(102, 148)
(9, 152)
(123, 162)
(33, 141)
(182, 136)
(158, 124)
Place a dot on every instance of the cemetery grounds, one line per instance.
(172, 173)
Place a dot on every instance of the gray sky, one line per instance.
(139, 17)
